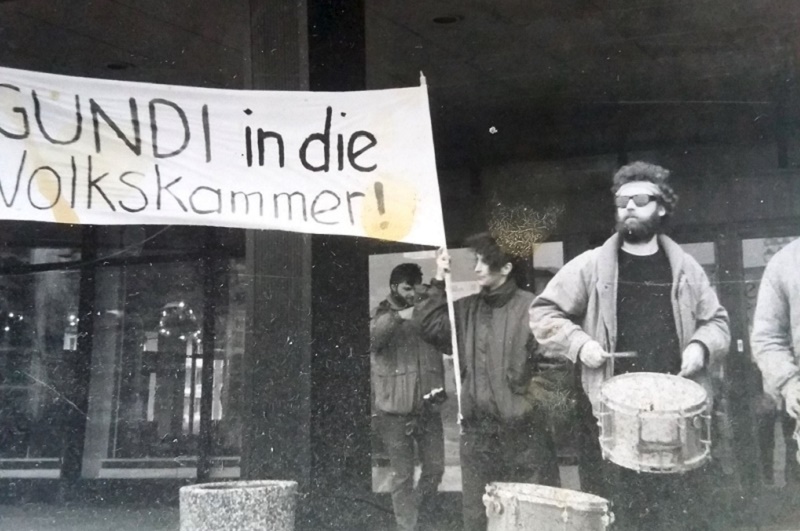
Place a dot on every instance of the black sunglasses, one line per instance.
(639, 200)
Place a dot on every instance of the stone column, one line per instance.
(276, 362)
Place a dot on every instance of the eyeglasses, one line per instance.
(639, 200)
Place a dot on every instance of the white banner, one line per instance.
(91, 151)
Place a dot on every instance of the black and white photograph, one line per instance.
(367, 265)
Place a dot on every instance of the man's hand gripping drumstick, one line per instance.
(693, 359)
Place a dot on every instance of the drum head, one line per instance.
(649, 391)
(544, 495)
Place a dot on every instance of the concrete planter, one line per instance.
(238, 506)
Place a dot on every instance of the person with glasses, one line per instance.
(638, 292)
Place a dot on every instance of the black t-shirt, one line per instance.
(645, 321)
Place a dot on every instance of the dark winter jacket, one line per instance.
(404, 366)
(510, 350)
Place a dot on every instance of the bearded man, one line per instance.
(407, 386)
(637, 292)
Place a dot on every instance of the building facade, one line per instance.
(142, 358)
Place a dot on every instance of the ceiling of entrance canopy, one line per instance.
(508, 78)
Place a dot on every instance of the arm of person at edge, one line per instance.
(552, 314)
(431, 313)
(771, 341)
(519, 380)
(383, 325)
(711, 339)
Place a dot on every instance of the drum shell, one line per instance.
(529, 507)
(665, 441)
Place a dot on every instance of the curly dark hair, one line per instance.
(495, 257)
(408, 272)
(644, 171)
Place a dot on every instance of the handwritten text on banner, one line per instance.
(89, 151)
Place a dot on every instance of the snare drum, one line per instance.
(652, 422)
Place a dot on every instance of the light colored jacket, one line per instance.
(775, 339)
(580, 304)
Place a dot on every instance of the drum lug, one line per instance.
(493, 505)
(602, 417)
(605, 432)
(797, 438)
(492, 501)
(607, 519)
(707, 440)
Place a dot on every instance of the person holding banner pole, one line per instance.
(504, 437)
(448, 285)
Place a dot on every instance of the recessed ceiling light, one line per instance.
(448, 19)
(120, 65)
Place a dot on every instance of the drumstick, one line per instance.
(623, 354)
(611, 356)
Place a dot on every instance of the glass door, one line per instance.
(146, 376)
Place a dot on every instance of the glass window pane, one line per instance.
(147, 363)
(37, 332)
(143, 411)
(227, 409)
(756, 252)
(548, 258)
(705, 254)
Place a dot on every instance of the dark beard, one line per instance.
(399, 300)
(641, 230)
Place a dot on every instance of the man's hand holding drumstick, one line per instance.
(693, 359)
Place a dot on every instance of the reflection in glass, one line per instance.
(37, 339)
(706, 256)
(147, 363)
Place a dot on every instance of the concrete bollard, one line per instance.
(238, 506)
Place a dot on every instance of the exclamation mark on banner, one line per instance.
(381, 206)
(390, 215)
